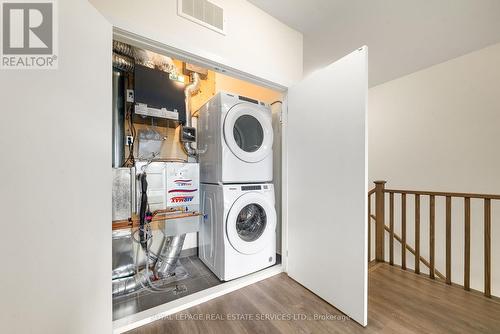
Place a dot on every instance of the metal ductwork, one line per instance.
(169, 255)
(123, 49)
(165, 266)
(123, 56)
(191, 89)
(123, 286)
(123, 63)
(126, 56)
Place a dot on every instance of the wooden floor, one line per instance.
(399, 302)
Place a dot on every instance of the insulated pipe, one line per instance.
(123, 63)
(123, 286)
(126, 56)
(191, 89)
(169, 255)
(123, 49)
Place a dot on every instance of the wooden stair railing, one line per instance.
(381, 228)
(409, 248)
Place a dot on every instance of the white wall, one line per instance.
(55, 137)
(439, 129)
(255, 43)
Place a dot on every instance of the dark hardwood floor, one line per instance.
(399, 302)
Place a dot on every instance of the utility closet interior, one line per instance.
(196, 179)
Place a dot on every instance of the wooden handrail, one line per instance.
(380, 227)
(444, 194)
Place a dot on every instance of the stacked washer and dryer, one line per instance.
(238, 232)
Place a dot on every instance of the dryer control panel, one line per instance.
(253, 187)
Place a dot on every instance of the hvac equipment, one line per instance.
(168, 193)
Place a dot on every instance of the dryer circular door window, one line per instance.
(248, 132)
(251, 223)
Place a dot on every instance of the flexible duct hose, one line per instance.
(123, 62)
(165, 267)
(169, 255)
(123, 286)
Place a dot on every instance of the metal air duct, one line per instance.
(191, 89)
(165, 267)
(169, 255)
(123, 286)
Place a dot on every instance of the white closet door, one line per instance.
(327, 183)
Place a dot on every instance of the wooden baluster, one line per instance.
(369, 228)
(380, 220)
(448, 239)
(391, 228)
(403, 231)
(417, 234)
(432, 219)
(487, 247)
(467, 243)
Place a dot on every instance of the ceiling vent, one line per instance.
(203, 12)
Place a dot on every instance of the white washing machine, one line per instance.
(235, 139)
(238, 232)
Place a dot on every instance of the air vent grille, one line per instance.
(203, 12)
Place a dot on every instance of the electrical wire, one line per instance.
(150, 280)
(130, 161)
(143, 211)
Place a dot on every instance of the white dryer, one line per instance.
(238, 233)
(235, 139)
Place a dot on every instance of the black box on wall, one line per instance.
(155, 89)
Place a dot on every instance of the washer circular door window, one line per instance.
(248, 132)
(251, 223)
